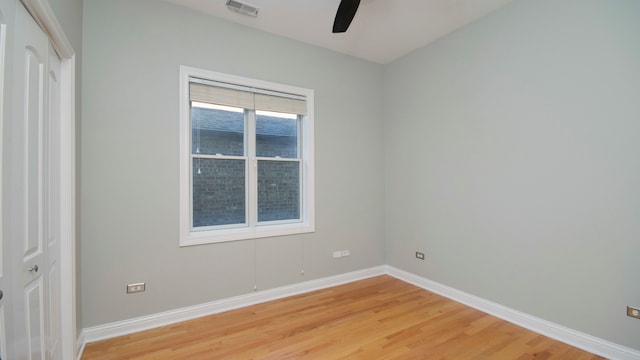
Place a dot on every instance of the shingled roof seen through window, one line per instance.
(228, 121)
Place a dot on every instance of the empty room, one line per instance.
(298, 179)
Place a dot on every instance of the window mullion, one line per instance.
(302, 163)
(252, 168)
(190, 191)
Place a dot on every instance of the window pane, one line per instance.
(278, 190)
(217, 130)
(276, 135)
(218, 192)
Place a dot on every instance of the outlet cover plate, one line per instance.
(134, 288)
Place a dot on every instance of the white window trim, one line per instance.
(262, 230)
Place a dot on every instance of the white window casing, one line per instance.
(223, 89)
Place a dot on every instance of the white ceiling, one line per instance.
(382, 31)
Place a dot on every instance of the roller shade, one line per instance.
(280, 104)
(247, 98)
(220, 96)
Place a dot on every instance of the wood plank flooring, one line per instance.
(376, 318)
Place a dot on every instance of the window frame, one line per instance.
(253, 229)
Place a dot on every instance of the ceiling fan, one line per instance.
(345, 14)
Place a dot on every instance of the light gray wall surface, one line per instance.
(513, 162)
(510, 158)
(129, 190)
(69, 15)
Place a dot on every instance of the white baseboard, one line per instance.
(561, 333)
(125, 327)
(80, 343)
(566, 335)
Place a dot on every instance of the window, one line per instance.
(246, 158)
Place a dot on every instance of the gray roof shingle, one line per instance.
(227, 121)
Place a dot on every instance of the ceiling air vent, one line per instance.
(242, 8)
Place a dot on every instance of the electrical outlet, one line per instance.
(341, 253)
(633, 312)
(134, 288)
(419, 255)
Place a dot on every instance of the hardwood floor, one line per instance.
(376, 318)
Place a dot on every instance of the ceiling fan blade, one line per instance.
(346, 11)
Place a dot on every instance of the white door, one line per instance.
(51, 214)
(5, 259)
(35, 193)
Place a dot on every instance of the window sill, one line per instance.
(218, 236)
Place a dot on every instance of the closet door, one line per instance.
(35, 192)
(51, 213)
(6, 309)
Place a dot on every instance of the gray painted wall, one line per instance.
(513, 162)
(510, 158)
(129, 168)
(69, 15)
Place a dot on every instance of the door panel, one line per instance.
(52, 186)
(30, 187)
(5, 304)
(33, 294)
(30, 183)
(53, 331)
(3, 337)
(32, 120)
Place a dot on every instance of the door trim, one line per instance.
(44, 16)
(42, 13)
